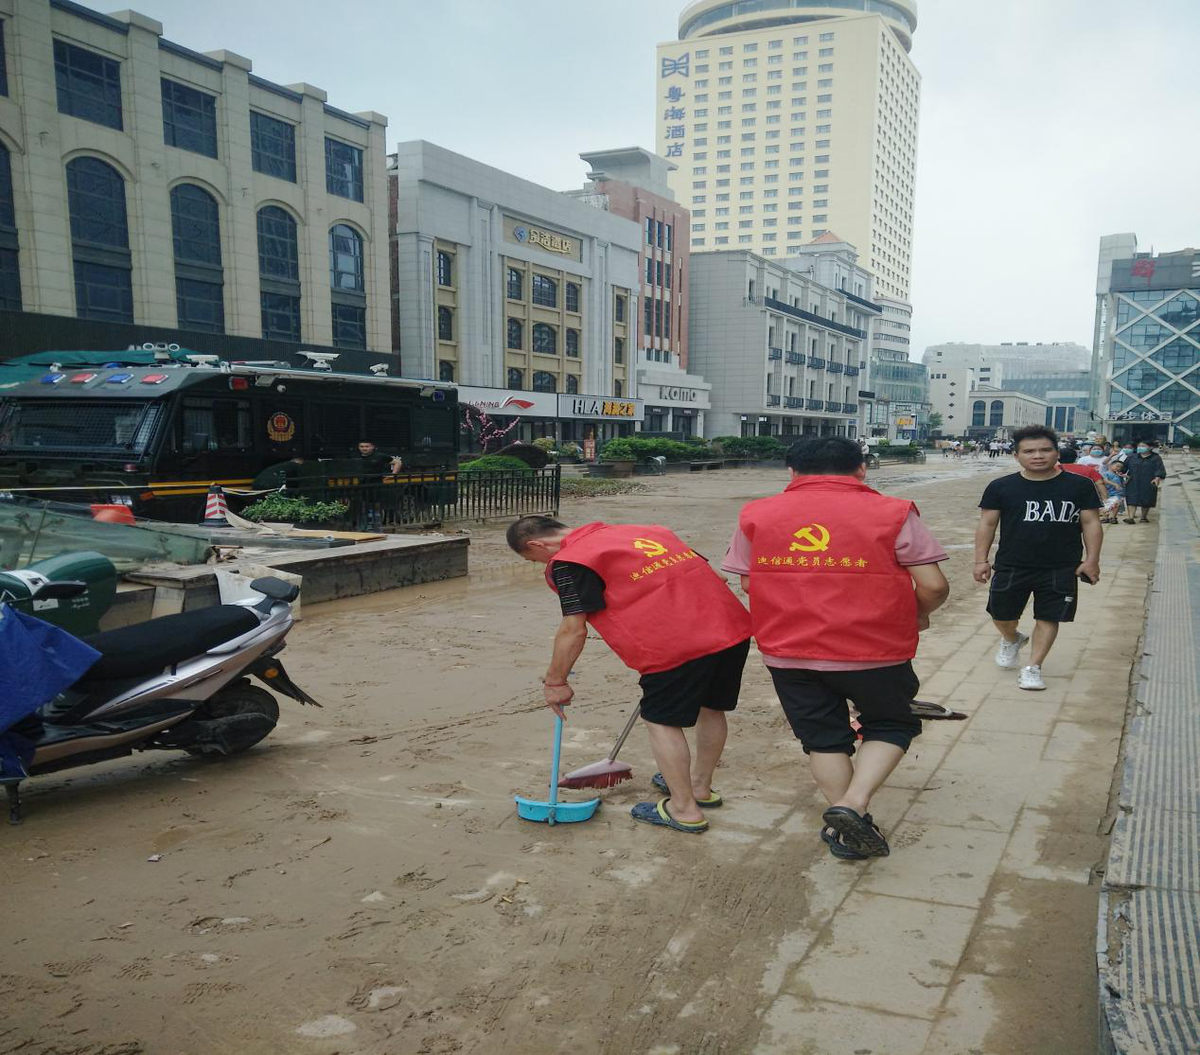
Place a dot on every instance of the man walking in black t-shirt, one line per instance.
(1046, 518)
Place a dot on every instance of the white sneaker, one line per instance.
(1031, 678)
(1006, 654)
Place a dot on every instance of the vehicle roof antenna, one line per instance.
(319, 360)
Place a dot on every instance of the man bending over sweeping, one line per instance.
(667, 615)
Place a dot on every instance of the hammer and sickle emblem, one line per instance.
(814, 539)
(649, 547)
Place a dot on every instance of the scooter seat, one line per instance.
(146, 648)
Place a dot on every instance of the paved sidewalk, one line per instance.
(1148, 943)
(976, 935)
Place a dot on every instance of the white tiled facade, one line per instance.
(41, 140)
(784, 353)
(474, 215)
(788, 119)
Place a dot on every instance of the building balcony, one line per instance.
(808, 316)
(793, 402)
(869, 305)
(794, 358)
(775, 353)
(835, 367)
(852, 371)
(816, 363)
(772, 401)
(850, 408)
(815, 404)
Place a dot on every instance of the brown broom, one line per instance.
(608, 771)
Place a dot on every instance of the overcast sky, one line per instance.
(1044, 123)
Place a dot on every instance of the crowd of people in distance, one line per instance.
(1126, 475)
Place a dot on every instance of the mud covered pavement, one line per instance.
(361, 883)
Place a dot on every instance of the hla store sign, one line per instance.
(599, 407)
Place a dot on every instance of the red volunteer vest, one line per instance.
(824, 581)
(665, 605)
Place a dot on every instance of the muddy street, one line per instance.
(360, 883)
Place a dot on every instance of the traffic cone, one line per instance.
(215, 508)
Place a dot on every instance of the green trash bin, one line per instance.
(77, 615)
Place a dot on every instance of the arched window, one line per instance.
(545, 291)
(516, 378)
(516, 334)
(445, 268)
(618, 349)
(99, 241)
(573, 342)
(572, 296)
(543, 381)
(279, 274)
(515, 284)
(445, 370)
(997, 415)
(978, 412)
(10, 273)
(196, 234)
(572, 385)
(349, 302)
(445, 324)
(545, 338)
(617, 389)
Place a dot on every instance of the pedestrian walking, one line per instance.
(994, 449)
(1067, 459)
(667, 615)
(1145, 473)
(1046, 519)
(841, 580)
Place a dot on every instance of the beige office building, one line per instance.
(788, 119)
(153, 192)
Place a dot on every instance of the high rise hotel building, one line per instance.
(790, 118)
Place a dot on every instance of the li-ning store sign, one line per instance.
(507, 403)
(522, 233)
(601, 408)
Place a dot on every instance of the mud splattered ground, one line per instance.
(361, 883)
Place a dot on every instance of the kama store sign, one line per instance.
(601, 408)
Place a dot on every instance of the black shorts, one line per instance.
(1055, 593)
(675, 696)
(814, 702)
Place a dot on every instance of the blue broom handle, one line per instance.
(558, 727)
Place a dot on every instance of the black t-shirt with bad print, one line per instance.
(1039, 519)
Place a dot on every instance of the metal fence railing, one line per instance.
(423, 498)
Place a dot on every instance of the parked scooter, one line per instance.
(180, 682)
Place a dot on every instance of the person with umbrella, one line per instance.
(1145, 472)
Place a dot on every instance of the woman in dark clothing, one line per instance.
(1146, 472)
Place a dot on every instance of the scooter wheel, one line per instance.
(253, 711)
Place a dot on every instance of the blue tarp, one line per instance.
(37, 662)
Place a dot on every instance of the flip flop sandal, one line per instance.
(927, 711)
(837, 848)
(711, 803)
(656, 813)
(857, 832)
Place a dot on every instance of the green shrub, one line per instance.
(759, 447)
(639, 448)
(545, 443)
(286, 510)
(495, 463)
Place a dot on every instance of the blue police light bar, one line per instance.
(52, 379)
(120, 379)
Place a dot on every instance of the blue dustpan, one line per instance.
(555, 812)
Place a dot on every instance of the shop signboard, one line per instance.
(599, 408)
(505, 402)
(518, 232)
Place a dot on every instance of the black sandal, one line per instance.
(859, 833)
(837, 848)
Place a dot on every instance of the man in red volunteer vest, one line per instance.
(670, 617)
(841, 580)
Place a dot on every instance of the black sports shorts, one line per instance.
(675, 696)
(1055, 593)
(814, 702)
